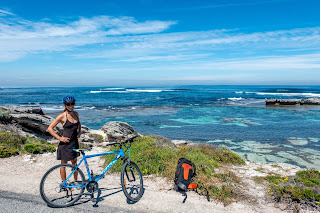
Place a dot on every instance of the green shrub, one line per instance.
(13, 143)
(304, 186)
(39, 148)
(33, 148)
(309, 177)
(10, 140)
(155, 155)
(49, 148)
(96, 137)
(4, 152)
(3, 114)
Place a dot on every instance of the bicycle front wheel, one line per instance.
(131, 181)
(57, 194)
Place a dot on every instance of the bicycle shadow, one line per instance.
(100, 198)
(87, 197)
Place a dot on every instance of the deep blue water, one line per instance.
(232, 115)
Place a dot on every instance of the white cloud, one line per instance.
(22, 36)
(127, 40)
(243, 65)
(213, 77)
(5, 12)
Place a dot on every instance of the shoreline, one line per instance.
(302, 151)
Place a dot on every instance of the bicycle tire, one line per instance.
(130, 173)
(51, 189)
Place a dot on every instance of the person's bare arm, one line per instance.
(53, 133)
(79, 126)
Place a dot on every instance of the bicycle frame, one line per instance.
(84, 158)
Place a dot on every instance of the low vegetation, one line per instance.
(96, 137)
(13, 144)
(157, 155)
(303, 189)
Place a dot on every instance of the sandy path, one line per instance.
(22, 174)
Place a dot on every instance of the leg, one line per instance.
(75, 174)
(63, 171)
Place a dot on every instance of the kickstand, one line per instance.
(96, 200)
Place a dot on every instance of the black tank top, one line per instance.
(70, 130)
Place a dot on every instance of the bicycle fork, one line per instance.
(131, 170)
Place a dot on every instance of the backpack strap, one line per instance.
(186, 196)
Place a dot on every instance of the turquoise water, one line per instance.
(235, 116)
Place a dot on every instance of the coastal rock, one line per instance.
(29, 121)
(93, 137)
(309, 101)
(28, 110)
(117, 130)
(33, 122)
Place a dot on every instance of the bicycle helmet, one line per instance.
(68, 98)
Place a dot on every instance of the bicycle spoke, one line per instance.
(131, 181)
(59, 193)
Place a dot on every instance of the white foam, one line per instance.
(52, 108)
(112, 88)
(235, 99)
(100, 91)
(239, 92)
(140, 90)
(131, 90)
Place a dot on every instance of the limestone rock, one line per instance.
(30, 121)
(33, 122)
(29, 110)
(117, 130)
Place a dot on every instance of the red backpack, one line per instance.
(186, 171)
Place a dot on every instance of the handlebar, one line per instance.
(129, 140)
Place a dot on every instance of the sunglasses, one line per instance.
(70, 104)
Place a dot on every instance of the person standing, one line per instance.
(69, 139)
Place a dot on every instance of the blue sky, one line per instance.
(164, 42)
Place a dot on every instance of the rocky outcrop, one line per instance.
(116, 130)
(277, 102)
(29, 121)
(24, 110)
(32, 122)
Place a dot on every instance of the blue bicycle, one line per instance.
(64, 184)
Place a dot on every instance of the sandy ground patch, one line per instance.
(22, 174)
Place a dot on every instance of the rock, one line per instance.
(85, 129)
(93, 137)
(309, 101)
(181, 142)
(28, 110)
(117, 130)
(33, 122)
(30, 121)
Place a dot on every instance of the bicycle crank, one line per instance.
(92, 186)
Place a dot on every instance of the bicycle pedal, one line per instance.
(93, 199)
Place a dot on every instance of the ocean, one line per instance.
(235, 116)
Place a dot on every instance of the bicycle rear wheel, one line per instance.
(131, 181)
(54, 193)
